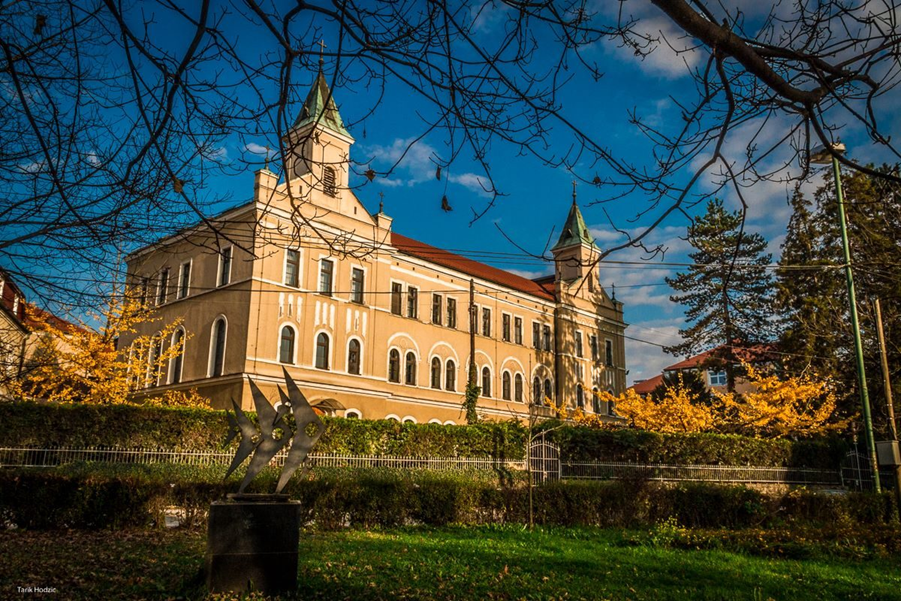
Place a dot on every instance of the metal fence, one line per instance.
(51, 457)
(600, 470)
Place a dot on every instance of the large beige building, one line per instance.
(303, 277)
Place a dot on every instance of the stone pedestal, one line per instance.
(252, 544)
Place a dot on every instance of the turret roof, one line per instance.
(315, 109)
(574, 230)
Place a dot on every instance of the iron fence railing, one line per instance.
(55, 456)
(606, 470)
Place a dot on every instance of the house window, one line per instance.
(286, 345)
(326, 273)
(322, 350)
(595, 351)
(145, 284)
(184, 280)
(356, 285)
(353, 357)
(536, 335)
(450, 375)
(505, 386)
(329, 185)
(436, 309)
(397, 298)
(175, 366)
(611, 405)
(536, 391)
(608, 352)
(410, 369)
(580, 396)
(717, 377)
(546, 335)
(517, 388)
(579, 344)
(548, 391)
(394, 366)
(486, 381)
(292, 267)
(595, 401)
(486, 321)
(162, 287)
(217, 348)
(225, 267)
(436, 373)
(452, 313)
(517, 330)
(505, 327)
(153, 363)
(412, 302)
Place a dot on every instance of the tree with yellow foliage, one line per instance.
(80, 364)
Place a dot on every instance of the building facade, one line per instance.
(369, 322)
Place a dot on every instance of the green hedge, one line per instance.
(95, 497)
(131, 426)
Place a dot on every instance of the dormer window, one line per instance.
(329, 182)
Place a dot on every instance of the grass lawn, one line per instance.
(454, 563)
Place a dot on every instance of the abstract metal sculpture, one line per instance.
(273, 433)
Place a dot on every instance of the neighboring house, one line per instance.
(379, 324)
(705, 364)
(13, 332)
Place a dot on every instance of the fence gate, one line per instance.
(544, 461)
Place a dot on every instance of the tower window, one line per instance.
(329, 182)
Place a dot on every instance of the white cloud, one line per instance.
(254, 148)
(531, 275)
(648, 360)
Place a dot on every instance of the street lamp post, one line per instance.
(822, 156)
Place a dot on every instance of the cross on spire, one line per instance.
(381, 202)
(321, 49)
(574, 191)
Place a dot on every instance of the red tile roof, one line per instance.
(423, 251)
(752, 354)
(35, 318)
(647, 386)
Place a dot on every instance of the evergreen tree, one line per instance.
(727, 291)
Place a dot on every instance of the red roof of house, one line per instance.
(35, 317)
(751, 354)
(444, 258)
(647, 386)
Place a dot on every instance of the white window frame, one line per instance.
(331, 350)
(181, 282)
(278, 355)
(299, 268)
(170, 372)
(162, 292)
(331, 291)
(219, 270)
(347, 355)
(212, 351)
(718, 374)
(509, 335)
(362, 300)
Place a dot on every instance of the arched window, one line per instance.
(217, 348)
(410, 366)
(580, 396)
(548, 391)
(517, 388)
(505, 386)
(286, 345)
(486, 381)
(394, 366)
(353, 414)
(353, 357)
(175, 365)
(436, 373)
(595, 401)
(322, 350)
(329, 183)
(611, 405)
(536, 391)
(450, 375)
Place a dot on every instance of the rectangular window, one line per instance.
(536, 335)
(397, 298)
(184, 280)
(145, 285)
(486, 321)
(356, 285)
(579, 344)
(546, 335)
(225, 266)
(717, 377)
(505, 327)
(436, 309)
(595, 351)
(608, 352)
(452, 313)
(412, 302)
(517, 330)
(162, 289)
(326, 274)
(292, 267)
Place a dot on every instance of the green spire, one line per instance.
(574, 230)
(315, 108)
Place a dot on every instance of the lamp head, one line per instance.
(821, 155)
